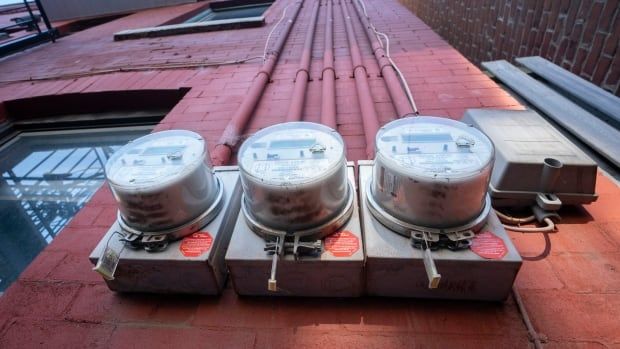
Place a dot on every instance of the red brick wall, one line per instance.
(581, 36)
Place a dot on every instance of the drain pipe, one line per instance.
(303, 73)
(328, 75)
(232, 133)
(370, 120)
(397, 94)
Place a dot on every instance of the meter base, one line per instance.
(395, 269)
(171, 271)
(330, 273)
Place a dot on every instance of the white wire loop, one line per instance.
(399, 73)
(509, 223)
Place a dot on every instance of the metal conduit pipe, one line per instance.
(370, 120)
(328, 75)
(303, 73)
(232, 133)
(395, 89)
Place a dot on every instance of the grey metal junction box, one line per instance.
(534, 163)
(192, 265)
(337, 271)
(394, 268)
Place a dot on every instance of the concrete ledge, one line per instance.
(189, 28)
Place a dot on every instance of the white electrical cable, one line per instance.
(508, 222)
(403, 81)
(514, 220)
(272, 30)
(401, 76)
(547, 228)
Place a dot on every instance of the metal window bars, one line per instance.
(41, 35)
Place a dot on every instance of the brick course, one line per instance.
(581, 36)
(59, 302)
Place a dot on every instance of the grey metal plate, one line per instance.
(169, 271)
(523, 140)
(576, 87)
(395, 269)
(324, 275)
(591, 130)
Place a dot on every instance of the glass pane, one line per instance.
(46, 178)
(230, 13)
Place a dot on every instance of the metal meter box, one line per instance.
(336, 271)
(192, 265)
(534, 164)
(394, 268)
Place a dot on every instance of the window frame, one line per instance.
(36, 201)
(179, 26)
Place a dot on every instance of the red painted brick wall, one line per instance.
(59, 302)
(581, 36)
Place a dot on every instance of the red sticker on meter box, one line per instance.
(488, 245)
(196, 244)
(342, 244)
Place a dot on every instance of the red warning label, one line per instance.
(196, 244)
(342, 244)
(488, 245)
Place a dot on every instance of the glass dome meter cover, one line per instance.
(432, 172)
(294, 175)
(162, 180)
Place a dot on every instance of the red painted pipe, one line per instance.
(395, 89)
(232, 133)
(328, 97)
(370, 120)
(303, 73)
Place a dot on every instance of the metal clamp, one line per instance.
(150, 243)
(429, 242)
(548, 202)
(281, 247)
(429, 264)
(275, 249)
(453, 241)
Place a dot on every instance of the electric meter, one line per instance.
(294, 178)
(163, 183)
(430, 173)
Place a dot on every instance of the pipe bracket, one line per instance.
(302, 70)
(325, 69)
(360, 66)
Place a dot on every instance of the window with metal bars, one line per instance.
(45, 179)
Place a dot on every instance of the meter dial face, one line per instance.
(156, 158)
(429, 146)
(291, 153)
